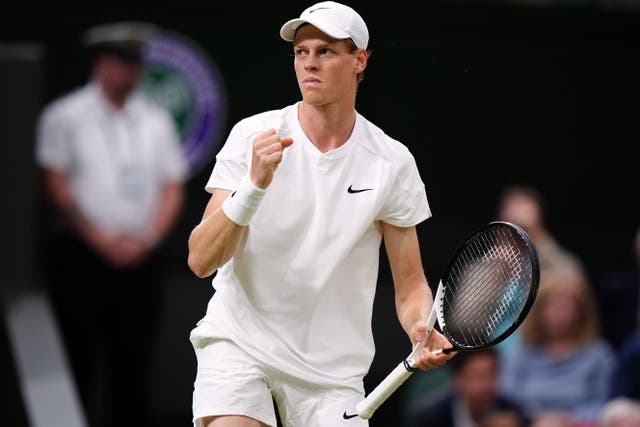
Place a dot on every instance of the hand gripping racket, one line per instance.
(484, 294)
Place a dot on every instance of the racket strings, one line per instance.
(487, 288)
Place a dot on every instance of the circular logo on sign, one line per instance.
(182, 78)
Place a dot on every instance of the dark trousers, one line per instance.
(108, 320)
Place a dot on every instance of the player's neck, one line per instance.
(327, 126)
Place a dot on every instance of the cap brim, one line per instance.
(126, 52)
(288, 30)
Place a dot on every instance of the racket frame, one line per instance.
(366, 407)
(533, 291)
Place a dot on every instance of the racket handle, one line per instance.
(367, 407)
(399, 375)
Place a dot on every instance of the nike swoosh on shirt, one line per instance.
(352, 191)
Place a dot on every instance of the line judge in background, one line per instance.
(302, 198)
(113, 170)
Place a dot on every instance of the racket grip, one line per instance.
(367, 407)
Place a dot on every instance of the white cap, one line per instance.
(334, 19)
(119, 32)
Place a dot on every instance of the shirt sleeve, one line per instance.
(231, 161)
(407, 204)
(53, 140)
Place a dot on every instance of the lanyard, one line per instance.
(122, 138)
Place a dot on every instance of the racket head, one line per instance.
(489, 286)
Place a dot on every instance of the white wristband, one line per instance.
(243, 203)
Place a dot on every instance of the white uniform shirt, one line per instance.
(298, 294)
(116, 161)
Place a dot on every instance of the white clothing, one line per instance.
(298, 294)
(116, 161)
(231, 381)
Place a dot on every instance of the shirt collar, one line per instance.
(129, 110)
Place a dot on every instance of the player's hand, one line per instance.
(267, 155)
(425, 359)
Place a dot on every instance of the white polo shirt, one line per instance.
(299, 292)
(116, 161)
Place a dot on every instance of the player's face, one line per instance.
(326, 68)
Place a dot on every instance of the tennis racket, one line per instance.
(484, 294)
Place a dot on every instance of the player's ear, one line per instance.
(361, 56)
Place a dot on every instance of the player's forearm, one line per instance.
(412, 294)
(412, 305)
(212, 243)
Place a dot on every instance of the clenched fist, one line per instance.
(267, 155)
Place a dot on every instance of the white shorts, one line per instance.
(229, 381)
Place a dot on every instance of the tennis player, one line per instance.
(301, 199)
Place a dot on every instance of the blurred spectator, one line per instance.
(474, 400)
(626, 378)
(524, 206)
(504, 418)
(559, 371)
(113, 170)
(620, 412)
(618, 295)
